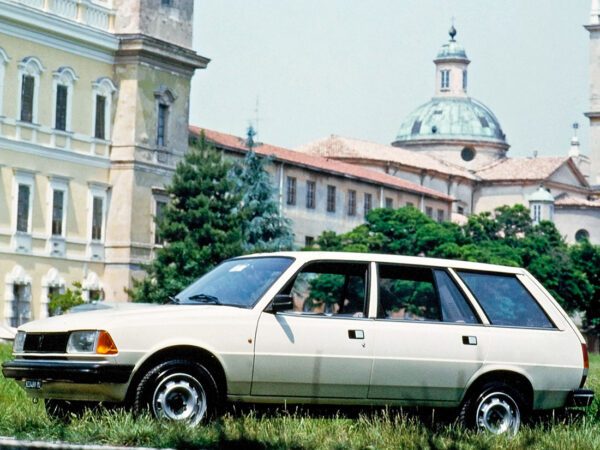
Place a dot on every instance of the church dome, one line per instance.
(451, 50)
(451, 118)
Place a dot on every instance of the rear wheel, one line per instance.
(178, 390)
(496, 408)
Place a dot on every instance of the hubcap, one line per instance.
(498, 413)
(180, 397)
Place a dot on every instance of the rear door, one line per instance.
(427, 337)
(322, 348)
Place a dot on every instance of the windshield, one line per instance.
(237, 282)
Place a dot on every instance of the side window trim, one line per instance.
(470, 298)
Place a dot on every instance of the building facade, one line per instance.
(94, 100)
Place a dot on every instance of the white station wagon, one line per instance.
(320, 327)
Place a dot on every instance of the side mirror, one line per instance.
(281, 302)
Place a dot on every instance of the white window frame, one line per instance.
(166, 97)
(58, 184)
(105, 87)
(31, 66)
(64, 76)
(22, 177)
(445, 79)
(97, 190)
(3, 62)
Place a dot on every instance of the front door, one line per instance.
(322, 348)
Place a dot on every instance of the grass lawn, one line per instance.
(268, 429)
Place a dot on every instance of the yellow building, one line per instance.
(94, 100)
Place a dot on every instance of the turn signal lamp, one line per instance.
(105, 345)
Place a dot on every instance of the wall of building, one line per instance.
(569, 220)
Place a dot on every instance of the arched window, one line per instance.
(62, 88)
(52, 284)
(164, 99)
(30, 70)
(17, 297)
(102, 92)
(582, 235)
(92, 288)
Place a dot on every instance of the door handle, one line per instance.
(469, 340)
(356, 334)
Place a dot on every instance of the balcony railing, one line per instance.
(94, 13)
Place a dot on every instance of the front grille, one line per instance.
(46, 342)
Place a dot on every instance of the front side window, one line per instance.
(335, 288)
(58, 205)
(311, 188)
(421, 294)
(429, 211)
(27, 98)
(61, 107)
(440, 215)
(237, 282)
(330, 198)
(291, 190)
(505, 300)
(389, 202)
(351, 202)
(464, 80)
(97, 216)
(23, 204)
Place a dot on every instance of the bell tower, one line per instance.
(594, 112)
(153, 68)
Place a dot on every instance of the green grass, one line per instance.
(268, 429)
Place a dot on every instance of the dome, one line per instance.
(451, 50)
(541, 195)
(451, 118)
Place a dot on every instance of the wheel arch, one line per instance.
(516, 380)
(187, 352)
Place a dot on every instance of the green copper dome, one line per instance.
(452, 50)
(451, 118)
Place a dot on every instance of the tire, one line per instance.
(64, 410)
(177, 390)
(495, 408)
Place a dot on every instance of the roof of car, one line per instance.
(398, 259)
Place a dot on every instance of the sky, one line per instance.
(301, 70)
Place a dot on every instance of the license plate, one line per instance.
(33, 384)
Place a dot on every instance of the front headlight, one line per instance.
(82, 342)
(19, 343)
(99, 342)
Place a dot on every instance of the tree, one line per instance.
(505, 236)
(61, 303)
(263, 226)
(201, 226)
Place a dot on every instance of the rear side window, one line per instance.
(421, 293)
(505, 300)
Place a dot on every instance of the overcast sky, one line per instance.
(357, 68)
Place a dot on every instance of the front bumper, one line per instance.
(67, 371)
(580, 397)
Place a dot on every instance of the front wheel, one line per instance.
(496, 408)
(177, 390)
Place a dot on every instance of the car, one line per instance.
(320, 328)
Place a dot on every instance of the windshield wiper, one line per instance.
(173, 300)
(204, 298)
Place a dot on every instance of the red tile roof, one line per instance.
(572, 202)
(540, 168)
(235, 143)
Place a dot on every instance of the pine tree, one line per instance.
(263, 226)
(201, 226)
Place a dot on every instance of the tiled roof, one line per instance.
(522, 168)
(346, 148)
(576, 202)
(232, 142)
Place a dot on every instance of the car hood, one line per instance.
(148, 314)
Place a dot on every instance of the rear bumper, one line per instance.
(580, 397)
(67, 371)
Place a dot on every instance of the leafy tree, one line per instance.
(263, 226)
(61, 303)
(587, 259)
(505, 236)
(201, 226)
